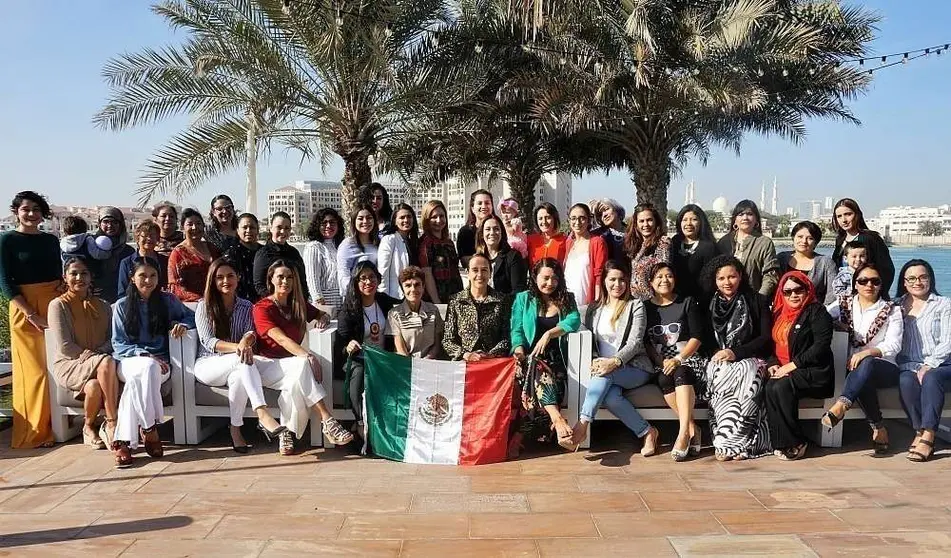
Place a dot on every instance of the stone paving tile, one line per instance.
(586, 548)
(305, 484)
(836, 498)
(559, 484)
(42, 527)
(209, 482)
(601, 502)
(871, 520)
(506, 548)
(935, 496)
(175, 548)
(40, 499)
(662, 482)
(102, 547)
(723, 480)
(534, 525)
(90, 502)
(351, 503)
(125, 481)
(262, 526)
(657, 524)
(152, 526)
(410, 526)
(197, 503)
(469, 503)
(491, 469)
(700, 500)
(415, 484)
(729, 546)
(780, 522)
(354, 549)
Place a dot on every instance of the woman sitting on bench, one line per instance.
(925, 357)
(280, 322)
(875, 336)
(416, 324)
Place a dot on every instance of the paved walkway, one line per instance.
(209, 501)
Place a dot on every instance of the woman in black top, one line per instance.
(509, 271)
(481, 207)
(690, 249)
(241, 256)
(277, 248)
(222, 230)
(376, 197)
(849, 224)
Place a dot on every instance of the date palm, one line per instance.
(322, 77)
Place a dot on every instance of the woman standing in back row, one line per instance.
(690, 250)
(849, 224)
(549, 241)
(480, 208)
(646, 244)
(756, 252)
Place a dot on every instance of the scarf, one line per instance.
(91, 320)
(732, 324)
(785, 316)
(845, 316)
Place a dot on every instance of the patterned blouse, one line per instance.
(187, 272)
(641, 265)
(473, 326)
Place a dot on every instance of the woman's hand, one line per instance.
(178, 330)
(315, 367)
(323, 321)
(724, 355)
(922, 370)
(519, 352)
(670, 364)
(562, 428)
(472, 357)
(857, 359)
(352, 347)
(603, 366)
(245, 350)
(162, 363)
(542, 344)
(776, 372)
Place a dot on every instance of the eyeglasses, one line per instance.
(367, 279)
(794, 291)
(920, 279)
(577, 219)
(873, 281)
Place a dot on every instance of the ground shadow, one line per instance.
(47, 536)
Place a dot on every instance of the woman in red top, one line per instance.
(549, 242)
(280, 322)
(437, 255)
(189, 261)
(584, 257)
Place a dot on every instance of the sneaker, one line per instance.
(286, 442)
(336, 433)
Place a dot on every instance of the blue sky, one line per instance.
(53, 52)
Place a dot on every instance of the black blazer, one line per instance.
(350, 325)
(687, 268)
(810, 348)
(509, 273)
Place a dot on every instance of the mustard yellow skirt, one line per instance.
(31, 393)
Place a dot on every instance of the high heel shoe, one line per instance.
(270, 434)
(240, 449)
(695, 443)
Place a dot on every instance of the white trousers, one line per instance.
(140, 404)
(292, 376)
(244, 382)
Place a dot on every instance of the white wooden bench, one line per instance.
(6, 379)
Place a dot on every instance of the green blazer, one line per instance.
(524, 312)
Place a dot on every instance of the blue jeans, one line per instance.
(609, 391)
(863, 383)
(923, 401)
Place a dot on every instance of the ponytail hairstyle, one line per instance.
(214, 302)
(615, 265)
(158, 312)
(297, 303)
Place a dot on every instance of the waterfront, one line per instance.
(939, 258)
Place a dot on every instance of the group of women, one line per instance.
(727, 322)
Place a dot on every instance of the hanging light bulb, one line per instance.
(478, 48)
(812, 71)
(562, 61)
(785, 72)
(759, 72)
(524, 48)
(286, 7)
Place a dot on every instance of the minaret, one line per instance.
(687, 194)
(762, 196)
(775, 197)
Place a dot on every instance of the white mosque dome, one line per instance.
(721, 205)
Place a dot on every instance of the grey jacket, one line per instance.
(758, 256)
(631, 326)
(822, 275)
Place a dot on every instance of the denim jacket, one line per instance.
(147, 344)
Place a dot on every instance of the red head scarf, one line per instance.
(784, 316)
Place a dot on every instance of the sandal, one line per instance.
(92, 439)
(286, 442)
(794, 453)
(680, 455)
(830, 420)
(335, 432)
(916, 440)
(152, 443)
(123, 454)
(694, 449)
(104, 432)
(879, 449)
(918, 457)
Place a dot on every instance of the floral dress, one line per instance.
(641, 265)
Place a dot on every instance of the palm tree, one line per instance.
(323, 77)
(661, 81)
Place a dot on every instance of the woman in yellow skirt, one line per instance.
(30, 277)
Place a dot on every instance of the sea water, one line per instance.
(939, 258)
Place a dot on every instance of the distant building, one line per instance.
(722, 205)
(810, 210)
(905, 220)
(302, 199)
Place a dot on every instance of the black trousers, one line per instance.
(355, 389)
(782, 404)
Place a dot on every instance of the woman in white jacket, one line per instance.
(325, 232)
(875, 329)
(398, 249)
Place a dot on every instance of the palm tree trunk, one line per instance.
(251, 188)
(356, 173)
(651, 178)
(522, 185)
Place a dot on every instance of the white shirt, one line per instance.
(606, 334)
(393, 257)
(889, 337)
(577, 265)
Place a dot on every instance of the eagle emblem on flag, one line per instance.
(435, 410)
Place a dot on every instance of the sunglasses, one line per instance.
(794, 291)
(873, 281)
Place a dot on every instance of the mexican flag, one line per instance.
(435, 411)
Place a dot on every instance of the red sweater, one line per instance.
(539, 249)
(597, 255)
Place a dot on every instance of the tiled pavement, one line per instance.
(209, 501)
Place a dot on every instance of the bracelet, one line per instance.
(620, 363)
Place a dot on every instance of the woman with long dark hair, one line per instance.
(549, 241)
(82, 352)
(166, 216)
(481, 207)
(736, 374)
(585, 255)
(277, 248)
(280, 321)
(362, 321)
(646, 243)
(875, 328)
(755, 251)
(619, 362)
(925, 357)
(226, 342)
(849, 224)
(242, 255)
(801, 365)
(541, 318)
(142, 323)
(509, 272)
(818, 268)
(690, 249)
(105, 272)
(437, 255)
(398, 249)
(325, 233)
(376, 197)
(222, 229)
(362, 245)
(30, 278)
(188, 265)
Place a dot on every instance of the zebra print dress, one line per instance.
(737, 408)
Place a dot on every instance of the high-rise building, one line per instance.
(775, 204)
(829, 203)
(690, 196)
(302, 199)
(762, 196)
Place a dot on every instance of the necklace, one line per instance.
(374, 323)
